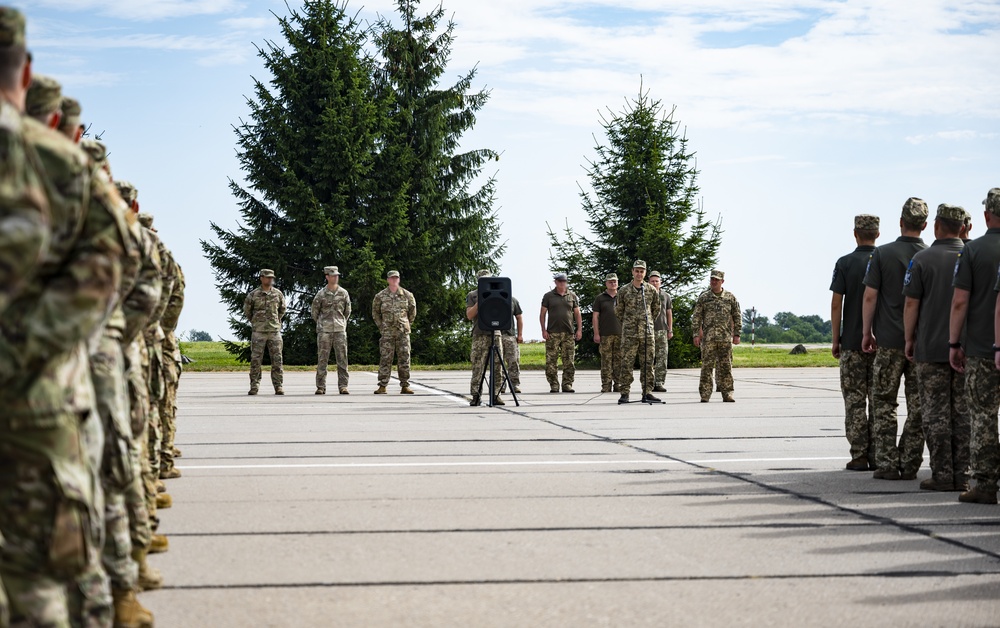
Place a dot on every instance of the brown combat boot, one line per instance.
(164, 501)
(344, 391)
(321, 391)
(727, 397)
(497, 401)
(252, 391)
(149, 578)
(161, 487)
(159, 544)
(406, 390)
(978, 496)
(278, 390)
(886, 474)
(475, 401)
(170, 474)
(930, 484)
(858, 464)
(129, 613)
(177, 453)
(381, 390)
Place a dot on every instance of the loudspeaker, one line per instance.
(496, 310)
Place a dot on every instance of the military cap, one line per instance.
(611, 277)
(71, 112)
(96, 149)
(12, 27)
(127, 191)
(866, 221)
(639, 264)
(968, 219)
(718, 274)
(331, 270)
(44, 96)
(392, 273)
(146, 220)
(951, 212)
(483, 273)
(914, 209)
(992, 201)
(266, 272)
(561, 277)
(655, 273)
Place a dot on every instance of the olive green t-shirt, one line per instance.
(660, 323)
(607, 321)
(515, 305)
(560, 309)
(929, 279)
(886, 271)
(848, 277)
(976, 271)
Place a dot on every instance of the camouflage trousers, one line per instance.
(46, 489)
(138, 403)
(889, 367)
(560, 346)
(258, 341)
(512, 358)
(325, 342)
(717, 356)
(168, 413)
(856, 384)
(641, 347)
(662, 352)
(982, 390)
(479, 355)
(611, 362)
(154, 428)
(946, 420)
(394, 344)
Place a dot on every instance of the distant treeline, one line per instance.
(787, 328)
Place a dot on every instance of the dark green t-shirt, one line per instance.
(848, 280)
(885, 273)
(929, 279)
(660, 324)
(976, 271)
(515, 305)
(560, 307)
(607, 321)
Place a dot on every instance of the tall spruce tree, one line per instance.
(642, 205)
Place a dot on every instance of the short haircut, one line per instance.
(914, 225)
(950, 225)
(868, 235)
(12, 59)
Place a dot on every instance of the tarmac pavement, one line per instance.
(569, 510)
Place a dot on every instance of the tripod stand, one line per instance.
(495, 354)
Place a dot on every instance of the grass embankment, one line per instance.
(212, 356)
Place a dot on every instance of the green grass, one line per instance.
(212, 356)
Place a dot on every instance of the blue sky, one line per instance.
(803, 114)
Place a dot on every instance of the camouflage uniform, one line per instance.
(331, 311)
(716, 319)
(611, 362)
(636, 310)
(662, 335)
(265, 309)
(610, 332)
(394, 313)
(946, 421)
(482, 340)
(512, 358)
(172, 368)
(982, 388)
(561, 341)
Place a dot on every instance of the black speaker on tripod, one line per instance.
(496, 309)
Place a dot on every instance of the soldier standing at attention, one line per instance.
(663, 329)
(562, 307)
(882, 334)
(394, 310)
(972, 314)
(716, 323)
(856, 373)
(482, 340)
(264, 308)
(636, 309)
(608, 333)
(943, 401)
(331, 309)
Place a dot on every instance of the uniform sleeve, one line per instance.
(913, 282)
(545, 300)
(517, 307)
(140, 303)
(737, 316)
(620, 305)
(175, 304)
(169, 276)
(24, 224)
(697, 317)
(347, 306)
(248, 306)
(963, 270)
(376, 312)
(282, 307)
(317, 305)
(411, 309)
(839, 282)
(668, 302)
(873, 273)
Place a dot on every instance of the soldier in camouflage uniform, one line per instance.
(394, 309)
(716, 323)
(331, 309)
(264, 307)
(882, 334)
(973, 313)
(636, 309)
(172, 368)
(943, 401)
(562, 308)
(482, 340)
(856, 372)
(663, 329)
(608, 333)
(512, 339)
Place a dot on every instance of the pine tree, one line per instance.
(642, 206)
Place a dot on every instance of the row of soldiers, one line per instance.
(89, 365)
(928, 316)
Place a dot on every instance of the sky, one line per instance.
(803, 113)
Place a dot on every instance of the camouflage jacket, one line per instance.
(331, 310)
(636, 320)
(265, 309)
(717, 316)
(143, 297)
(394, 312)
(172, 312)
(168, 277)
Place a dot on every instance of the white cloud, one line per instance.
(142, 10)
(952, 136)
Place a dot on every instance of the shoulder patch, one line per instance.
(909, 274)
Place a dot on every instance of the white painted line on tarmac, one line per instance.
(459, 400)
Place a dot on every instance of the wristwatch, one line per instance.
(955, 345)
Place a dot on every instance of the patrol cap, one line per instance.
(639, 264)
(611, 277)
(44, 96)
(95, 148)
(914, 210)
(146, 220)
(561, 277)
(718, 274)
(951, 212)
(867, 222)
(483, 273)
(331, 270)
(71, 112)
(392, 273)
(968, 219)
(264, 272)
(992, 201)
(127, 191)
(655, 273)
(12, 27)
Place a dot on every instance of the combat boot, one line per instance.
(406, 390)
(344, 391)
(129, 613)
(321, 391)
(858, 464)
(149, 578)
(886, 474)
(567, 389)
(475, 401)
(623, 399)
(497, 401)
(380, 390)
(517, 390)
(278, 390)
(728, 398)
(164, 501)
(177, 453)
(978, 496)
(930, 484)
(161, 487)
(159, 544)
(659, 388)
(170, 474)
(252, 391)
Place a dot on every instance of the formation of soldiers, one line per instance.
(89, 365)
(927, 317)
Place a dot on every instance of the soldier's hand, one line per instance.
(868, 344)
(545, 335)
(670, 335)
(736, 340)
(579, 335)
(957, 359)
(597, 339)
(520, 339)
(836, 349)
(909, 350)
(996, 359)
(697, 341)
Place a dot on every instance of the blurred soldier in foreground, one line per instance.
(636, 308)
(264, 307)
(562, 308)
(716, 324)
(663, 329)
(331, 309)
(394, 310)
(608, 333)
(482, 340)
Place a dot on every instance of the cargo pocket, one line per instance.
(117, 462)
(69, 547)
